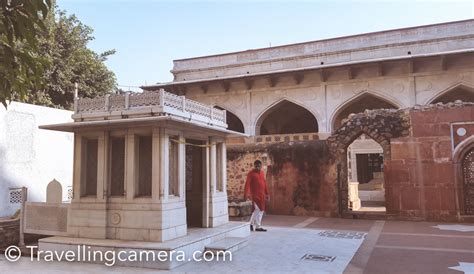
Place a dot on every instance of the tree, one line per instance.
(21, 68)
(69, 61)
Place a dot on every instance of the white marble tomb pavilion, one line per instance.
(148, 167)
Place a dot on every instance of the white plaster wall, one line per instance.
(419, 40)
(325, 100)
(414, 79)
(30, 156)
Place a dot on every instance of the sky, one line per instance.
(148, 35)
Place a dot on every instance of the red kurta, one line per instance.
(256, 186)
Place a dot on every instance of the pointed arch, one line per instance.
(234, 123)
(459, 91)
(286, 116)
(359, 103)
(373, 127)
(460, 154)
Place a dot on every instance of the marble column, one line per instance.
(156, 186)
(130, 165)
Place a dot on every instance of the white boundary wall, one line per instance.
(30, 156)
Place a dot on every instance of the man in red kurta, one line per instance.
(256, 190)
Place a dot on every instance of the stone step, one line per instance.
(227, 244)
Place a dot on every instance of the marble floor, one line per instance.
(322, 245)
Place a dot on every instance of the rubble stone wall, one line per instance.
(300, 176)
(420, 174)
(380, 125)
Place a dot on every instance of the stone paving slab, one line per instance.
(389, 260)
(278, 250)
(283, 250)
(390, 247)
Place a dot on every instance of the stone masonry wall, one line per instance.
(420, 173)
(420, 177)
(300, 177)
(381, 125)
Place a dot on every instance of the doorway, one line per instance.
(194, 182)
(365, 175)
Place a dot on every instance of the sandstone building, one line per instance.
(289, 99)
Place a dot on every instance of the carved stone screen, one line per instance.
(173, 166)
(468, 182)
(219, 168)
(189, 167)
(194, 178)
(89, 181)
(144, 165)
(117, 166)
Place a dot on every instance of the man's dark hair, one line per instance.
(257, 162)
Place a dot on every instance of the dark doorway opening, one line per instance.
(194, 183)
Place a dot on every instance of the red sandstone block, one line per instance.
(432, 198)
(423, 150)
(412, 150)
(443, 149)
(455, 115)
(392, 197)
(396, 173)
(448, 199)
(424, 129)
(430, 174)
(429, 130)
(443, 129)
(410, 198)
(401, 151)
(422, 117)
(445, 173)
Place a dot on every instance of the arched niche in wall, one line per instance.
(461, 92)
(360, 104)
(286, 117)
(233, 122)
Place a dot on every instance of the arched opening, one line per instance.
(375, 128)
(360, 104)
(233, 122)
(463, 158)
(462, 93)
(468, 182)
(286, 118)
(365, 176)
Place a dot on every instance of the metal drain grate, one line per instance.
(342, 234)
(318, 258)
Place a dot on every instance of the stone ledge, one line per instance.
(239, 208)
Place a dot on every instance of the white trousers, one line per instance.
(256, 218)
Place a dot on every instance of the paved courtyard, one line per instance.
(323, 245)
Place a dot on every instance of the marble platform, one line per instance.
(197, 239)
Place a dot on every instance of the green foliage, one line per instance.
(70, 61)
(21, 68)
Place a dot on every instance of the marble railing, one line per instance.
(129, 101)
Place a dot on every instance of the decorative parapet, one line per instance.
(295, 137)
(148, 103)
(276, 138)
